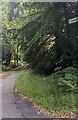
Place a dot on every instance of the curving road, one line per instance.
(13, 107)
(9, 109)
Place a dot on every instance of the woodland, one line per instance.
(39, 34)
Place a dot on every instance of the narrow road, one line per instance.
(9, 109)
(13, 107)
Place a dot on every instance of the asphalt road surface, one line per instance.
(9, 109)
(13, 107)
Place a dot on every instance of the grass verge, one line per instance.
(5, 74)
(54, 93)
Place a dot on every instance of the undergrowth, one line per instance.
(55, 92)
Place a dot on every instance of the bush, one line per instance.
(5, 68)
(52, 92)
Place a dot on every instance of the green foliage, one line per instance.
(4, 68)
(66, 80)
(49, 92)
(42, 33)
(7, 51)
(42, 54)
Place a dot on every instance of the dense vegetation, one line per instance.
(40, 34)
(43, 33)
(55, 92)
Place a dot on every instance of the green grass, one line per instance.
(6, 75)
(51, 92)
